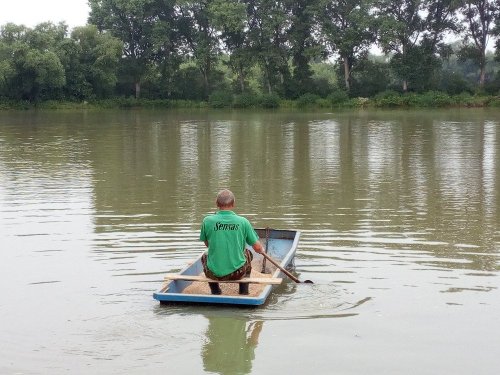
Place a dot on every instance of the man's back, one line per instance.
(226, 234)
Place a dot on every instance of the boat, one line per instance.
(191, 286)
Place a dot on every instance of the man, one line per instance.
(225, 234)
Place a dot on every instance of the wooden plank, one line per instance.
(253, 280)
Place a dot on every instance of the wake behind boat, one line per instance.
(191, 286)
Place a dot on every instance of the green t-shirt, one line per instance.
(227, 234)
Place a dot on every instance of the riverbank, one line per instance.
(388, 99)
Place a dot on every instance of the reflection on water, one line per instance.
(396, 209)
(230, 345)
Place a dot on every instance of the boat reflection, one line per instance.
(230, 345)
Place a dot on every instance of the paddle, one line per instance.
(265, 250)
(285, 271)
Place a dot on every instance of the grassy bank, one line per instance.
(388, 99)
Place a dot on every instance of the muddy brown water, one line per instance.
(398, 210)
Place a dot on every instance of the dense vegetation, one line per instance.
(246, 53)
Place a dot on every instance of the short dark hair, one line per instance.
(225, 198)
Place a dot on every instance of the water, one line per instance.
(398, 211)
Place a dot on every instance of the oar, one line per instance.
(265, 250)
(285, 271)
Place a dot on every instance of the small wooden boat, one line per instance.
(191, 286)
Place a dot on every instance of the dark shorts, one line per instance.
(241, 272)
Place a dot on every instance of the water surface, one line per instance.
(398, 210)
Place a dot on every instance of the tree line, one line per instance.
(192, 50)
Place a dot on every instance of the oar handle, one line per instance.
(281, 268)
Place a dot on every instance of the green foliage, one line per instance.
(370, 76)
(220, 99)
(454, 83)
(338, 97)
(416, 67)
(144, 26)
(428, 99)
(170, 51)
(269, 101)
(349, 30)
(30, 66)
(188, 84)
(465, 99)
(495, 102)
(307, 100)
(493, 87)
(245, 100)
(389, 98)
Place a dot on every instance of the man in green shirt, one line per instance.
(225, 234)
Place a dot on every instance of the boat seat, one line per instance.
(251, 280)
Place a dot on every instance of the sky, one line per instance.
(33, 12)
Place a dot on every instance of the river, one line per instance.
(399, 218)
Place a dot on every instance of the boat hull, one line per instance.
(281, 245)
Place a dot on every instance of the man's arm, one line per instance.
(206, 243)
(258, 247)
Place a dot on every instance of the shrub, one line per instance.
(338, 97)
(389, 98)
(427, 99)
(454, 83)
(269, 101)
(245, 100)
(220, 99)
(437, 99)
(307, 100)
(323, 103)
(494, 102)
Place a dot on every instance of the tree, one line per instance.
(348, 27)
(496, 32)
(135, 23)
(413, 31)
(480, 16)
(98, 55)
(302, 44)
(441, 18)
(370, 76)
(401, 26)
(32, 69)
(167, 43)
(268, 27)
(199, 34)
(230, 20)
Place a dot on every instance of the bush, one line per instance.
(389, 98)
(323, 103)
(245, 100)
(438, 99)
(495, 102)
(220, 99)
(338, 97)
(307, 100)
(269, 101)
(15, 105)
(454, 83)
(321, 87)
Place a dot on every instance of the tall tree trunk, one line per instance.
(137, 89)
(482, 71)
(405, 85)
(347, 74)
(268, 78)
(241, 78)
(205, 82)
